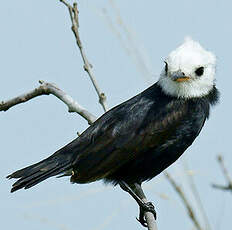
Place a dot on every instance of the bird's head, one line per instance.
(189, 71)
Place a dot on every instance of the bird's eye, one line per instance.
(199, 71)
(166, 66)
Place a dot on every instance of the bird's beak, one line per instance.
(179, 76)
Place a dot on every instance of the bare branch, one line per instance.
(46, 89)
(73, 12)
(131, 46)
(196, 195)
(184, 199)
(150, 219)
(227, 187)
(222, 187)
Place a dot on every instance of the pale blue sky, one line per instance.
(36, 43)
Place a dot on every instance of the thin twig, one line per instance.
(196, 196)
(73, 12)
(227, 187)
(184, 199)
(46, 89)
(135, 51)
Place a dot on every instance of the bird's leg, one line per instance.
(135, 190)
(149, 206)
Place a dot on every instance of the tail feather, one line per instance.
(59, 162)
(44, 177)
(29, 181)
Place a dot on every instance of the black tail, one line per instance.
(57, 163)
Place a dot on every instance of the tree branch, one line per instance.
(150, 219)
(46, 89)
(73, 12)
(196, 195)
(227, 187)
(184, 199)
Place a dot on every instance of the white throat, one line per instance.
(191, 89)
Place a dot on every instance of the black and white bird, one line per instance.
(138, 139)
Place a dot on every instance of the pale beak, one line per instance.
(179, 76)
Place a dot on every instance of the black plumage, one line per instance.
(133, 142)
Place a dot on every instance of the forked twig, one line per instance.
(227, 187)
(46, 88)
(73, 12)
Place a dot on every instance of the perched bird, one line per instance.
(136, 140)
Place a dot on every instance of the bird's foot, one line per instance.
(137, 193)
(145, 207)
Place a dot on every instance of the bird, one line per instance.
(139, 138)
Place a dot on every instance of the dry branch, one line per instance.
(151, 223)
(196, 195)
(73, 12)
(227, 187)
(46, 89)
(185, 201)
(132, 48)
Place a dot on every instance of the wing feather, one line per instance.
(122, 136)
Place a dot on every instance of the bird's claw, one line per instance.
(142, 221)
(146, 207)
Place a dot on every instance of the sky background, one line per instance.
(127, 56)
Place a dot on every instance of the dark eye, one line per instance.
(166, 66)
(199, 71)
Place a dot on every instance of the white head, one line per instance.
(189, 71)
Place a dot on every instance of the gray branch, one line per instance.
(46, 89)
(227, 187)
(150, 219)
(185, 201)
(73, 12)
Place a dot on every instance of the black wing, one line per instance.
(124, 133)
